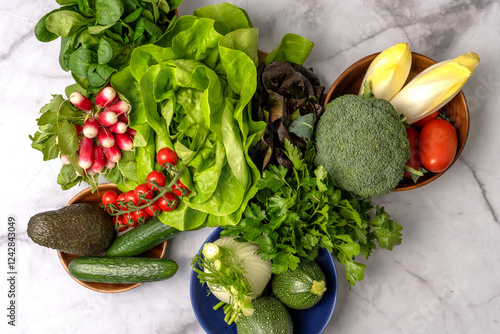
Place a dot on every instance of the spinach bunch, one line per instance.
(298, 211)
(98, 35)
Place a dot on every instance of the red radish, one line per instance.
(105, 137)
(90, 128)
(118, 127)
(131, 132)
(79, 129)
(99, 161)
(124, 141)
(112, 153)
(65, 160)
(105, 97)
(80, 101)
(86, 153)
(123, 118)
(109, 164)
(107, 118)
(120, 107)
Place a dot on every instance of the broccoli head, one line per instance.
(362, 144)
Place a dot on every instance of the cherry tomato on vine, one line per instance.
(130, 197)
(120, 223)
(142, 192)
(121, 197)
(158, 177)
(153, 209)
(139, 216)
(109, 197)
(130, 219)
(438, 145)
(168, 202)
(166, 156)
(179, 187)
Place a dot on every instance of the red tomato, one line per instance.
(139, 216)
(121, 197)
(130, 197)
(168, 202)
(142, 192)
(166, 156)
(109, 197)
(419, 124)
(438, 145)
(414, 160)
(158, 177)
(153, 209)
(120, 223)
(179, 187)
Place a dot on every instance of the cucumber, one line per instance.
(301, 288)
(270, 317)
(121, 269)
(141, 238)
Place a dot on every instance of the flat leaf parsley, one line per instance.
(297, 212)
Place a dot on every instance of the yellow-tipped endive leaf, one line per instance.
(434, 87)
(387, 73)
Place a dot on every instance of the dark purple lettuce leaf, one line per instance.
(284, 93)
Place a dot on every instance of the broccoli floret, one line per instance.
(362, 144)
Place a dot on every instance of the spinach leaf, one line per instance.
(65, 23)
(108, 11)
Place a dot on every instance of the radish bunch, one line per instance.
(105, 132)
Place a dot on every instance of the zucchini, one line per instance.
(121, 269)
(141, 238)
(301, 288)
(270, 317)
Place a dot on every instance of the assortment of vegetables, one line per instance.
(197, 131)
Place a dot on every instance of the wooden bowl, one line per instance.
(456, 110)
(87, 196)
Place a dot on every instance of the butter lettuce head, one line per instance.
(190, 91)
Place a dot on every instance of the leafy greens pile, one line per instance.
(97, 35)
(297, 212)
(190, 91)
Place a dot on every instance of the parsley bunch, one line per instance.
(297, 212)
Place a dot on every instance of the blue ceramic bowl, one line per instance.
(311, 321)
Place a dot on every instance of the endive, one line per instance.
(388, 72)
(434, 87)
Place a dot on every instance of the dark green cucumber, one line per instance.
(121, 269)
(141, 238)
(301, 288)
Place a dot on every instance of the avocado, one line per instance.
(80, 229)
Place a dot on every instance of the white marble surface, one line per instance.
(443, 278)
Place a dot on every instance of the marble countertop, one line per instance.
(443, 278)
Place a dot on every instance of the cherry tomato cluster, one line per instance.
(433, 145)
(148, 199)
